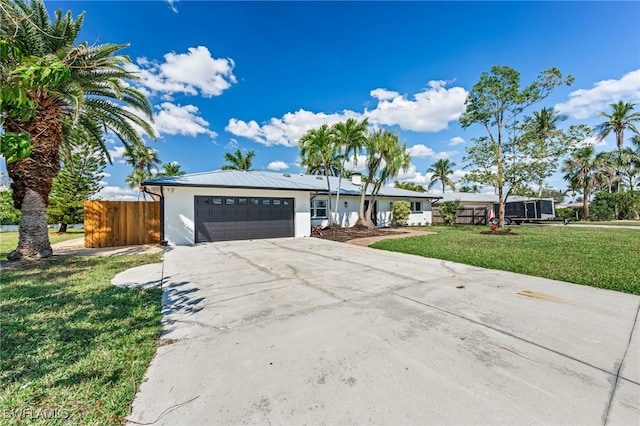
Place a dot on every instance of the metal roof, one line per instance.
(279, 181)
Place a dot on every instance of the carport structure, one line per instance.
(304, 330)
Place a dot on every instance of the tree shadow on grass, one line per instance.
(64, 326)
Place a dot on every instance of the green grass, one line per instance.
(598, 257)
(9, 240)
(612, 222)
(74, 347)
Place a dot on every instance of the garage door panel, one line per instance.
(241, 218)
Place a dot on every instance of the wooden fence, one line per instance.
(121, 223)
(466, 216)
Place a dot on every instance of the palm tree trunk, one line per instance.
(32, 180)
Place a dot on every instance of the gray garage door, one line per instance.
(242, 218)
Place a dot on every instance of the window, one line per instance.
(319, 209)
(416, 206)
(229, 201)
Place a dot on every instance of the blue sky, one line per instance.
(257, 75)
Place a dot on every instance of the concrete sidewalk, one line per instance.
(297, 331)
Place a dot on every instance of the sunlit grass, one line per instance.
(597, 257)
(74, 347)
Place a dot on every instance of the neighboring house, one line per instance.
(234, 205)
(469, 199)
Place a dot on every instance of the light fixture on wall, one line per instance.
(346, 204)
(391, 204)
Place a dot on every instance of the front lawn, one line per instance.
(74, 347)
(598, 257)
(9, 240)
(611, 222)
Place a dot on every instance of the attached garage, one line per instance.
(228, 218)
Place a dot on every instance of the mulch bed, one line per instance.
(336, 233)
(498, 233)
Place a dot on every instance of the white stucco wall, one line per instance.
(348, 215)
(179, 217)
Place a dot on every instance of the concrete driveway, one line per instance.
(307, 331)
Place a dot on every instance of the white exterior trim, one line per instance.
(179, 204)
(348, 215)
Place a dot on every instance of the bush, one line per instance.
(449, 211)
(401, 211)
(605, 205)
(566, 213)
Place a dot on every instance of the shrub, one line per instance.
(401, 211)
(449, 211)
(605, 205)
(565, 213)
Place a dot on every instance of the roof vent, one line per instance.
(319, 177)
(286, 175)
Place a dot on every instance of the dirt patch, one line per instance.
(336, 233)
(505, 232)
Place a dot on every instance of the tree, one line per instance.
(401, 211)
(386, 156)
(623, 117)
(144, 160)
(582, 170)
(86, 83)
(620, 119)
(317, 151)
(549, 143)
(349, 137)
(238, 160)
(410, 186)
(494, 102)
(171, 169)
(79, 179)
(9, 215)
(441, 170)
(474, 189)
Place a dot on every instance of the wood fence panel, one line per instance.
(466, 216)
(121, 223)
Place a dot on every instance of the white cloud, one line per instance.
(428, 111)
(172, 5)
(456, 141)
(184, 120)
(584, 103)
(277, 165)
(117, 154)
(116, 193)
(192, 73)
(591, 141)
(287, 130)
(421, 151)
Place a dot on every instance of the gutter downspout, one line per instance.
(163, 242)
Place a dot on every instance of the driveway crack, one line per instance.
(605, 416)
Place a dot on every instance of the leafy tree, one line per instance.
(83, 164)
(171, 169)
(57, 79)
(549, 143)
(386, 156)
(317, 151)
(441, 170)
(401, 211)
(495, 102)
(449, 211)
(9, 215)
(410, 186)
(238, 160)
(349, 137)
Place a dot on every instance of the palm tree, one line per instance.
(582, 170)
(622, 118)
(171, 169)
(91, 91)
(317, 151)
(142, 157)
(351, 137)
(441, 170)
(238, 160)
